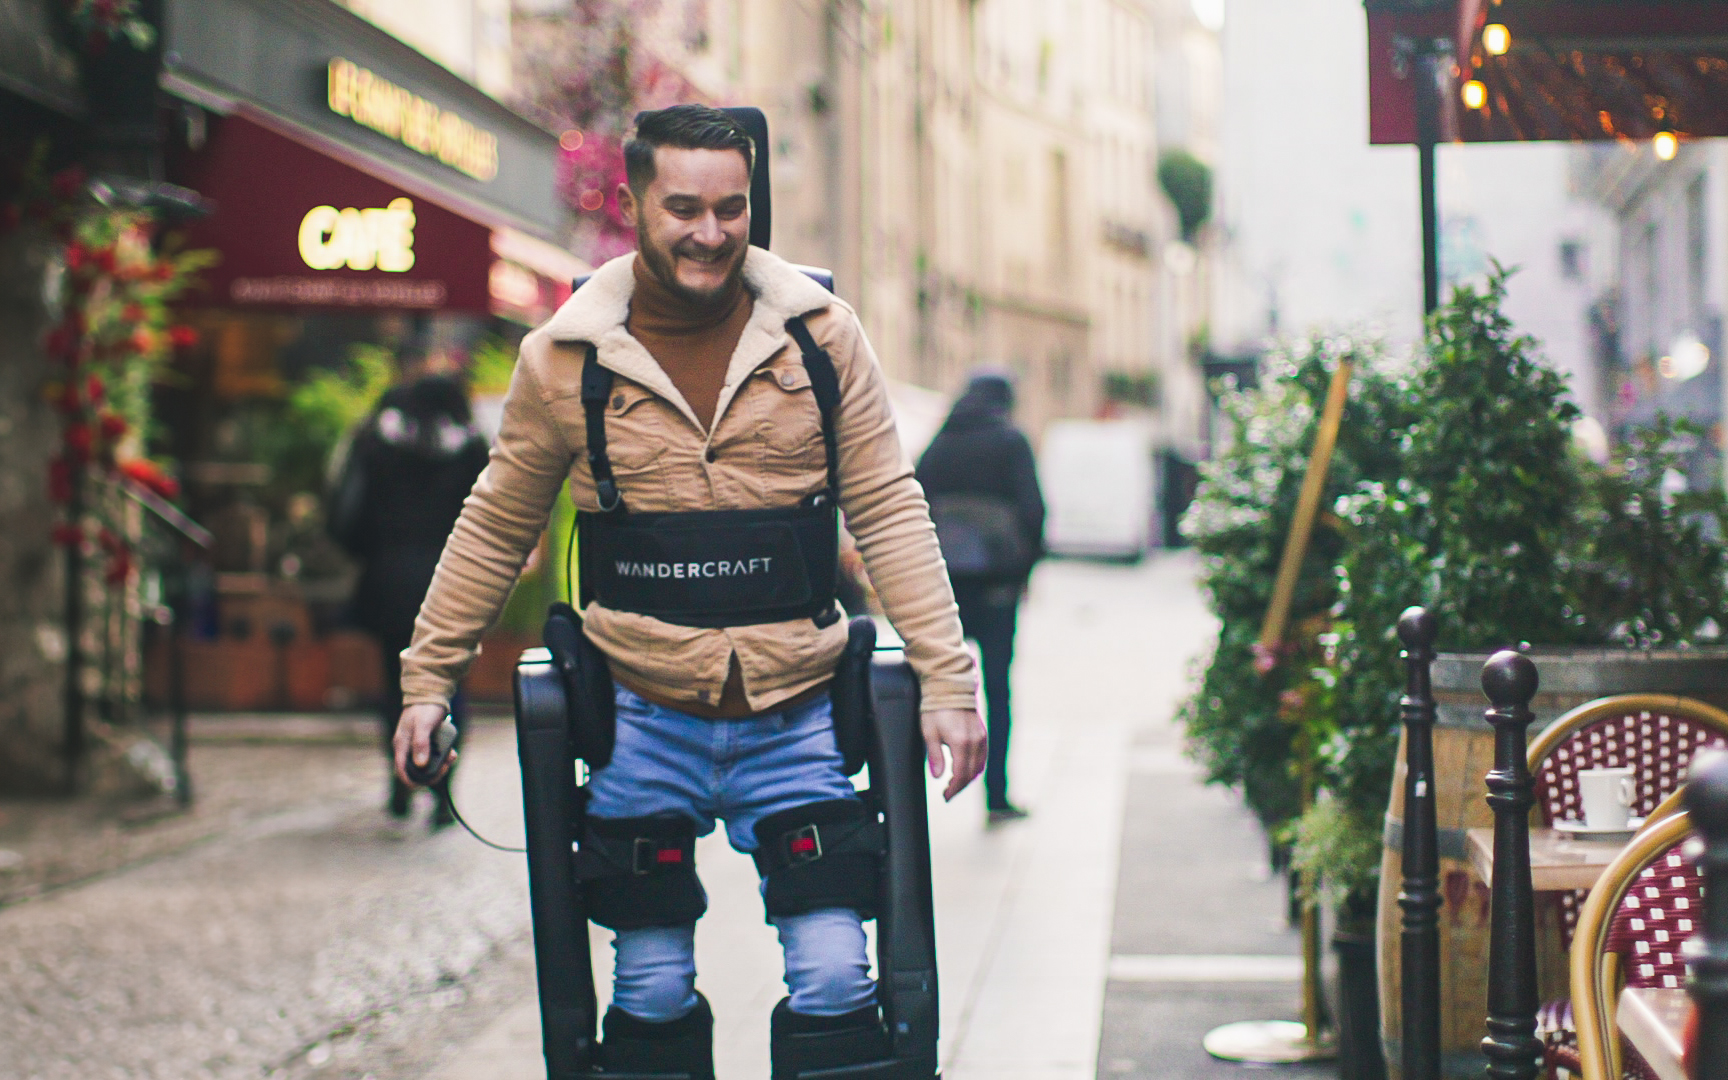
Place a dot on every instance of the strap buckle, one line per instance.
(606, 490)
(649, 855)
(801, 845)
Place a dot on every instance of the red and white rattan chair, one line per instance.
(1656, 735)
(1630, 933)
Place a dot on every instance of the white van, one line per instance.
(1100, 490)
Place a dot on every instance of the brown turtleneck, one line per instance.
(692, 344)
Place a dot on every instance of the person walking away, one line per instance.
(409, 468)
(683, 384)
(982, 485)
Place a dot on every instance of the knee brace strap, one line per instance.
(820, 855)
(640, 872)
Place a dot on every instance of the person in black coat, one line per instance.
(979, 476)
(410, 466)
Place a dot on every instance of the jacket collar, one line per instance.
(596, 313)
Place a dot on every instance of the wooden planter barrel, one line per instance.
(1463, 754)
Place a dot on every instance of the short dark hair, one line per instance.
(685, 127)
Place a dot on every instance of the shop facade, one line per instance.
(373, 212)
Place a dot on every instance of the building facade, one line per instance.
(982, 178)
(470, 37)
(365, 201)
(1320, 231)
(980, 174)
(1657, 325)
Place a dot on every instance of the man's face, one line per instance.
(693, 221)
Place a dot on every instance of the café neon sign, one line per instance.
(375, 238)
(377, 103)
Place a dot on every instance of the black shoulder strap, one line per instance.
(825, 383)
(596, 389)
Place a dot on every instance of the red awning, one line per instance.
(1575, 69)
(297, 228)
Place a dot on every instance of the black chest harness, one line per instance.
(713, 568)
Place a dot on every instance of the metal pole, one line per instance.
(190, 539)
(1314, 1018)
(73, 721)
(1707, 803)
(1277, 617)
(1430, 231)
(1513, 1050)
(1275, 1041)
(1428, 74)
(177, 619)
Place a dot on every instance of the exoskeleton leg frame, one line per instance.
(581, 868)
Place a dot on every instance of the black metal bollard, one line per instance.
(1513, 1051)
(1707, 803)
(1420, 896)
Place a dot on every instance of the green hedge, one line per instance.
(1455, 486)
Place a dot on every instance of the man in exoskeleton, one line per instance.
(678, 393)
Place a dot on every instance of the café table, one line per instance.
(1558, 862)
(1652, 1020)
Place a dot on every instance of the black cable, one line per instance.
(449, 800)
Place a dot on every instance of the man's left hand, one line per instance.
(962, 732)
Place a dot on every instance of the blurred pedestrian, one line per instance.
(410, 466)
(979, 476)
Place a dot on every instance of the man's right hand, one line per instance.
(414, 739)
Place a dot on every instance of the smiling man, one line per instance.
(681, 395)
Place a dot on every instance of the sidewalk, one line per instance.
(243, 766)
(1024, 912)
(285, 929)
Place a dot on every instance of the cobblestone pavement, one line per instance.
(295, 934)
(281, 941)
(238, 775)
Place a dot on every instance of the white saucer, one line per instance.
(1580, 831)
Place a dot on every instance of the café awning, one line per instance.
(300, 223)
(296, 227)
(1565, 70)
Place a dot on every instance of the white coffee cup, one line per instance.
(1606, 796)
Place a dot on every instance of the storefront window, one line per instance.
(259, 414)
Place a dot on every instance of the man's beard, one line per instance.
(662, 265)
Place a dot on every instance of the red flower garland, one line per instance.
(114, 333)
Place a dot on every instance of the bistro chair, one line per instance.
(1655, 734)
(1675, 803)
(1631, 933)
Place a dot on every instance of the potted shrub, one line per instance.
(1476, 522)
(1262, 722)
(1456, 487)
(1513, 539)
(1238, 521)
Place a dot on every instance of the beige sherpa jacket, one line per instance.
(765, 449)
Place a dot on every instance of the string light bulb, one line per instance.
(1474, 93)
(1496, 39)
(1666, 145)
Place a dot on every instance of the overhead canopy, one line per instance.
(361, 94)
(1574, 70)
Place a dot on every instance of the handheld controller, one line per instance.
(443, 741)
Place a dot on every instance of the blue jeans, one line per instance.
(739, 771)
